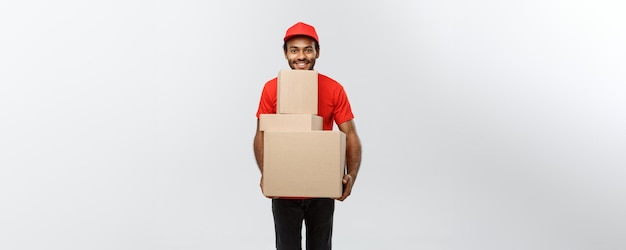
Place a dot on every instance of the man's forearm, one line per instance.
(258, 148)
(353, 154)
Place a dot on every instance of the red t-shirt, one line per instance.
(332, 103)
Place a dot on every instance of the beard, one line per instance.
(302, 64)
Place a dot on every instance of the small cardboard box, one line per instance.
(286, 122)
(297, 92)
(304, 163)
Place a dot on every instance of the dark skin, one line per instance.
(301, 53)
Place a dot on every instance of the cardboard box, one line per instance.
(286, 122)
(304, 163)
(297, 92)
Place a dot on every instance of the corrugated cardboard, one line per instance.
(303, 163)
(297, 92)
(298, 122)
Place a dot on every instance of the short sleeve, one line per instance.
(267, 103)
(343, 111)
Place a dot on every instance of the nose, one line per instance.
(301, 55)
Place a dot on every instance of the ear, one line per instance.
(317, 55)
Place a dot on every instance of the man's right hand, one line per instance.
(269, 197)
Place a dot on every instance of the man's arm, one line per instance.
(258, 147)
(353, 157)
(258, 151)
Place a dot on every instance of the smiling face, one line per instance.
(301, 52)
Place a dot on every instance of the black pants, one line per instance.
(317, 215)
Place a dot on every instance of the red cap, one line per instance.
(301, 29)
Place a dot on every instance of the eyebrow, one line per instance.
(296, 47)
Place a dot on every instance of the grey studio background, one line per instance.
(485, 124)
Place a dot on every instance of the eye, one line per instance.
(309, 50)
(293, 51)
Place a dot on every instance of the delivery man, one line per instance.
(301, 48)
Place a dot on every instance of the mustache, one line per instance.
(301, 61)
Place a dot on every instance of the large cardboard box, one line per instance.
(286, 122)
(297, 92)
(303, 163)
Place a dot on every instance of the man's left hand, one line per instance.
(348, 182)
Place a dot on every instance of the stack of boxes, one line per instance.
(300, 159)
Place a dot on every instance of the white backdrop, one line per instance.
(485, 124)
